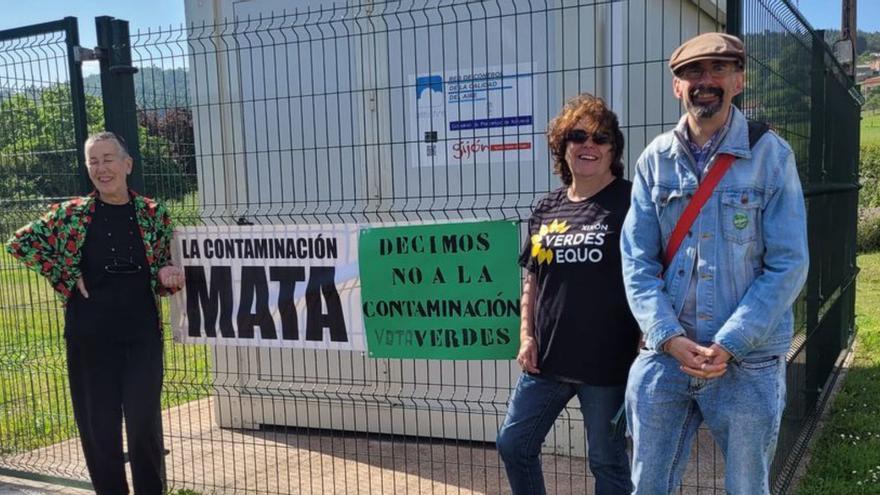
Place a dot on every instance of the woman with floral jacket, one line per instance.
(107, 255)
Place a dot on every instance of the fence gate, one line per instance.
(43, 124)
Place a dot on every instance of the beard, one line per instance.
(704, 110)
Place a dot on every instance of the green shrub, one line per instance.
(869, 176)
(38, 148)
(868, 236)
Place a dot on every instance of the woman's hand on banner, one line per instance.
(171, 277)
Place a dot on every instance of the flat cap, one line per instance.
(708, 46)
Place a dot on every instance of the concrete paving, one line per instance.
(207, 459)
(17, 486)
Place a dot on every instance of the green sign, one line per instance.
(448, 291)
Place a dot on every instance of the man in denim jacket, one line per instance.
(718, 320)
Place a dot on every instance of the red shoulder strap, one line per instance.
(686, 220)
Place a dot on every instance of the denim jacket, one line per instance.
(749, 244)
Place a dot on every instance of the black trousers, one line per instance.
(109, 380)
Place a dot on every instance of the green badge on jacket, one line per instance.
(740, 221)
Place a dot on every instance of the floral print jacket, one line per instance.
(52, 245)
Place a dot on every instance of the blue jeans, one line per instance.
(742, 408)
(534, 406)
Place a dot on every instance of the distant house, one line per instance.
(869, 84)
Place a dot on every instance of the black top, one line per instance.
(583, 325)
(121, 305)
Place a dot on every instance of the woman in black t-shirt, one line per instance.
(577, 335)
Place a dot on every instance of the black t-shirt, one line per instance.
(583, 325)
(121, 305)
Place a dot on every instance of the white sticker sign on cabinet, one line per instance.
(472, 116)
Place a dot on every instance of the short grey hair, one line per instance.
(108, 136)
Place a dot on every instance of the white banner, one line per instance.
(269, 286)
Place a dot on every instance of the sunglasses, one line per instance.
(580, 136)
(118, 266)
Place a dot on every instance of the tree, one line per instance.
(866, 42)
(176, 126)
(169, 135)
(154, 87)
(37, 142)
(38, 148)
(777, 84)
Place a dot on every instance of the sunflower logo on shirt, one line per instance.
(539, 251)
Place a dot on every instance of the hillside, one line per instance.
(154, 88)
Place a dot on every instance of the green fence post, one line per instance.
(815, 378)
(117, 88)
(77, 99)
(734, 17)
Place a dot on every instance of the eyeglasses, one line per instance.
(717, 70)
(580, 136)
(118, 266)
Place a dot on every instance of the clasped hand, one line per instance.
(696, 360)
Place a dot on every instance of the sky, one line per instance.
(826, 14)
(141, 14)
(145, 14)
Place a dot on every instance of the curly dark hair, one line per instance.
(602, 119)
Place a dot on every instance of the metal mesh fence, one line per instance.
(796, 85)
(37, 146)
(323, 115)
(317, 117)
(38, 161)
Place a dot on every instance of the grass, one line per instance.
(870, 128)
(35, 408)
(846, 457)
(185, 211)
